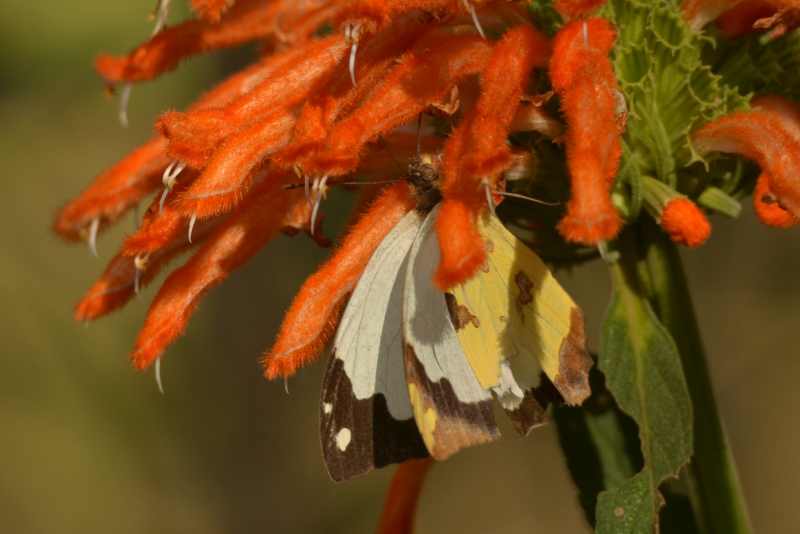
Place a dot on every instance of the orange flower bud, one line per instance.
(685, 222)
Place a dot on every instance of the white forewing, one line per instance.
(426, 322)
(369, 339)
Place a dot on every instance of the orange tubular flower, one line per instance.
(247, 21)
(194, 136)
(400, 506)
(313, 315)
(231, 245)
(423, 77)
(115, 191)
(229, 174)
(478, 152)
(139, 173)
(582, 75)
(762, 136)
(340, 97)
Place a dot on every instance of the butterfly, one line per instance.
(415, 371)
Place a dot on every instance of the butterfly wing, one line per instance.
(515, 320)
(451, 408)
(366, 419)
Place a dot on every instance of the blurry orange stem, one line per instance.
(401, 501)
(717, 496)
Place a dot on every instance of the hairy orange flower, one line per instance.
(583, 76)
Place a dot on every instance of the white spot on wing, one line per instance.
(343, 438)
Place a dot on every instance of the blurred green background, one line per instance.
(88, 445)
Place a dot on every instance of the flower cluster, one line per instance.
(500, 91)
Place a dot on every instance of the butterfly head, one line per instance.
(423, 175)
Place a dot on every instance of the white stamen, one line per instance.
(158, 376)
(352, 62)
(94, 227)
(471, 9)
(191, 226)
(124, 100)
(163, 199)
(319, 192)
(352, 34)
(169, 178)
(585, 28)
(286, 384)
(137, 281)
(161, 12)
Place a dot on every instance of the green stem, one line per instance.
(712, 472)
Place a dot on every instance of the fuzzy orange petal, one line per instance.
(685, 223)
(247, 21)
(230, 246)
(462, 246)
(312, 317)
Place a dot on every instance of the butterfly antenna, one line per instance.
(526, 197)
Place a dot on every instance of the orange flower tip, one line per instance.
(768, 209)
(590, 230)
(111, 68)
(193, 137)
(570, 52)
(142, 358)
(88, 309)
(280, 366)
(685, 223)
(451, 274)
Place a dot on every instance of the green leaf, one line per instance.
(599, 442)
(643, 371)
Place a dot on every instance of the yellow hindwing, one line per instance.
(513, 309)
